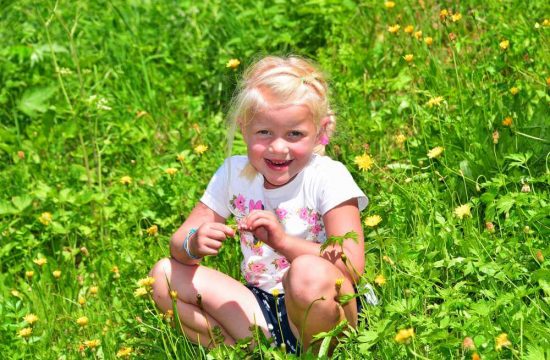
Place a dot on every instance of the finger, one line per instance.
(227, 230)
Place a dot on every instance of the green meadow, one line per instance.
(112, 121)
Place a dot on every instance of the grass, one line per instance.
(99, 99)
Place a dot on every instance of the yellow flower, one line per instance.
(115, 271)
(548, 81)
(56, 274)
(153, 230)
(380, 280)
(463, 211)
(504, 44)
(404, 335)
(200, 149)
(456, 17)
(364, 162)
(124, 352)
(400, 139)
(81, 300)
(389, 4)
(125, 180)
(233, 64)
(409, 29)
(40, 261)
(436, 101)
(30, 318)
(82, 321)
(26, 332)
(146, 282)
(29, 274)
(418, 34)
(275, 292)
(435, 152)
(408, 58)
(514, 90)
(171, 171)
(339, 282)
(507, 121)
(502, 341)
(444, 13)
(394, 28)
(45, 218)
(372, 221)
(428, 40)
(141, 291)
(180, 157)
(174, 294)
(94, 290)
(90, 344)
(546, 22)
(475, 356)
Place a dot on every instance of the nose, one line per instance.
(278, 146)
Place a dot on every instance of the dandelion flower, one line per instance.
(141, 291)
(174, 294)
(171, 171)
(468, 343)
(125, 180)
(418, 34)
(380, 280)
(435, 101)
(428, 40)
(372, 221)
(404, 335)
(56, 274)
(463, 211)
(124, 352)
(507, 121)
(364, 162)
(82, 321)
(26, 332)
(443, 14)
(275, 292)
(30, 318)
(514, 90)
(502, 341)
(548, 81)
(91, 344)
(180, 157)
(394, 28)
(435, 152)
(475, 356)
(389, 4)
(45, 218)
(400, 139)
(408, 58)
(115, 271)
(94, 290)
(409, 29)
(81, 300)
(40, 261)
(504, 44)
(29, 274)
(233, 64)
(200, 149)
(456, 17)
(153, 230)
(146, 282)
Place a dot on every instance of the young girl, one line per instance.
(287, 200)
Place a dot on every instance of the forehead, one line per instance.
(284, 115)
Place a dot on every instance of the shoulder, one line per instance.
(323, 164)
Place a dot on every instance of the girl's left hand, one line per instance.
(265, 227)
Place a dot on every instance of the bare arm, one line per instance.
(211, 231)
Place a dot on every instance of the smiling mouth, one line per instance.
(278, 164)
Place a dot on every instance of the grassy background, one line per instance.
(94, 91)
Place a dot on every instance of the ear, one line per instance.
(322, 136)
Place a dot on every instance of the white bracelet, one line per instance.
(186, 244)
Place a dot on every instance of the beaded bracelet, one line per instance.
(186, 244)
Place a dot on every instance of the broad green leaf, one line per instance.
(35, 101)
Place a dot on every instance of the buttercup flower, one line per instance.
(174, 294)
(26, 332)
(94, 290)
(125, 180)
(404, 335)
(200, 149)
(233, 64)
(409, 29)
(45, 218)
(456, 17)
(380, 280)
(507, 121)
(364, 162)
(82, 321)
(394, 28)
(504, 44)
(502, 341)
(435, 152)
(514, 90)
(389, 4)
(428, 40)
(435, 101)
(152, 230)
(408, 58)
(463, 211)
(171, 171)
(372, 221)
(30, 318)
(124, 352)
(40, 261)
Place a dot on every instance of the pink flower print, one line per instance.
(281, 213)
(238, 203)
(249, 277)
(281, 263)
(303, 213)
(313, 218)
(257, 248)
(316, 229)
(255, 206)
(257, 268)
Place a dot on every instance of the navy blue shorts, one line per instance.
(274, 311)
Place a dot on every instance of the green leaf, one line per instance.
(21, 202)
(34, 101)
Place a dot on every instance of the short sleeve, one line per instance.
(215, 196)
(336, 186)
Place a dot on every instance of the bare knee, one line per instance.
(162, 272)
(309, 278)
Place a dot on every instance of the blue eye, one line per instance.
(262, 132)
(296, 134)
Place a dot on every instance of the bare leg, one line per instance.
(225, 302)
(311, 278)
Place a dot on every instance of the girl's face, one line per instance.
(280, 143)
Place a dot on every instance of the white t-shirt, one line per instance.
(299, 205)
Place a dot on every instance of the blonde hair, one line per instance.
(285, 81)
